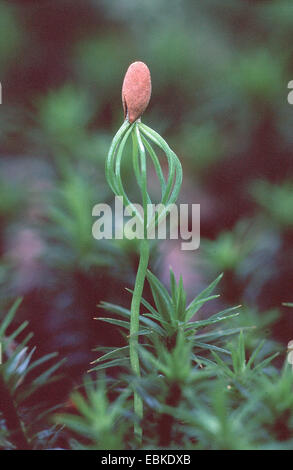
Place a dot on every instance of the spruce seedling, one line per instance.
(136, 92)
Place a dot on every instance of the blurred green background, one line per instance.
(220, 72)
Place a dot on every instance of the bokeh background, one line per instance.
(220, 73)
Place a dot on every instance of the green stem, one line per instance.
(134, 326)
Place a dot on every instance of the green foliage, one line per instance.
(258, 76)
(276, 201)
(241, 370)
(258, 328)
(99, 60)
(225, 398)
(101, 423)
(64, 117)
(231, 248)
(203, 145)
(64, 111)
(169, 317)
(21, 377)
(70, 222)
(211, 395)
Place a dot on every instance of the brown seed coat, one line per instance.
(136, 90)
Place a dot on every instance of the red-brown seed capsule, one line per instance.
(136, 90)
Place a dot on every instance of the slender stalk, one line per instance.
(134, 326)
